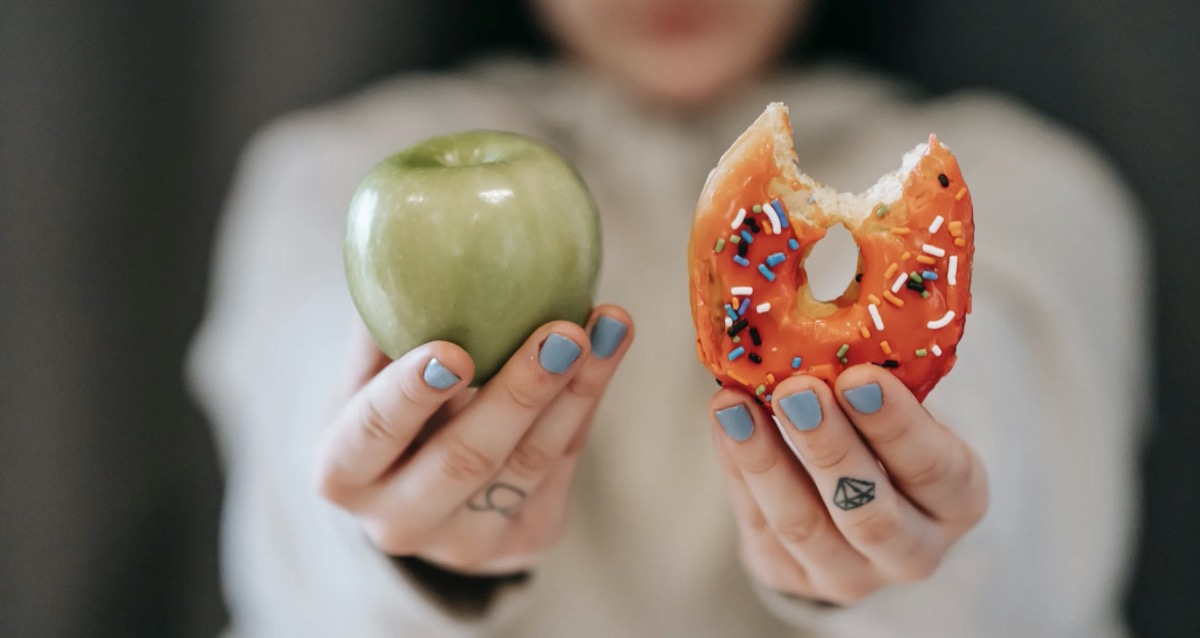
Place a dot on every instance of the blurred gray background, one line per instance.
(119, 124)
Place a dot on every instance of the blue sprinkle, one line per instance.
(741, 261)
(736, 352)
(793, 244)
(745, 306)
(928, 274)
(766, 272)
(767, 397)
(747, 237)
(782, 215)
(775, 259)
(795, 363)
(729, 311)
(812, 199)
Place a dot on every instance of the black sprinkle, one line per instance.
(753, 225)
(758, 401)
(754, 357)
(943, 180)
(891, 363)
(912, 285)
(742, 248)
(754, 337)
(720, 383)
(858, 278)
(737, 327)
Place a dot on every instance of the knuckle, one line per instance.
(936, 470)
(530, 460)
(462, 462)
(587, 385)
(824, 457)
(878, 527)
(756, 520)
(393, 540)
(921, 570)
(521, 396)
(756, 464)
(851, 592)
(797, 530)
(373, 422)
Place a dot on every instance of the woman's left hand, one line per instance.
(875, 493)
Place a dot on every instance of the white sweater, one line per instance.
(1049, 387)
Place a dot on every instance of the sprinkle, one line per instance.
(754, 358)
(893, 299)
(742, 248)
(952, 272)
(793, 244)
(959, 195)
(926, 259)
(735, 239)
(735, 302)
(737, 339)
(891, 363)
(874, 310)
(767, 230)
(900, 230)
(934, 250)
(914, 286)
(943, 180)
(747, 237)
(937, 223)
(763, 307)
(766, 272)
(783, 220)
(796, 363)
(770, 378)
(899, 282)
(737, 221)
(728, 322)
(891, 270)
(755, 337)
(873, 299)
(740, 260)
(736, 352)
(960, 242)
(905, 256)
(731, 312)
(773, 217)
(941, 323)
(866, 334)
(915, 276)
(881, 210)
(753, 225)
(741, 291)
(937, 351)
(921, 352)
(843, 350)
(757, 208)
(760, 389)
(858, 278)
(720, 245)
(767, 398)
(844, 360)
(955, 229)
(887, 349)
(775, 259)
(737, 326)
(744, 307)
(924, 294)
(929, 274)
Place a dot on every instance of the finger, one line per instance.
(875, 518)
(788, 499)
(382, 418)
(932, 466)
(366, 360)
(463, 456)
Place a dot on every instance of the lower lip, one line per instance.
(672, 23)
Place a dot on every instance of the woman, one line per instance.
(533, 508)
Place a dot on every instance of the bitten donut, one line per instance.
(757, 220)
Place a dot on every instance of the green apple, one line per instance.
(476, 238)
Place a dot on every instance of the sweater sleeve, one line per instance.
(1050, 388)
(269, 366)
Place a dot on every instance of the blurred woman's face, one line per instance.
(680, 52)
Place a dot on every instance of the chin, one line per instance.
(691, 81)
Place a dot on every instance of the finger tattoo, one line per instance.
(852, 493)
(502, 498)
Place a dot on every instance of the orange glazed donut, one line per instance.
(757, 322)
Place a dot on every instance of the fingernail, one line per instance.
(438, 375)
(558, 353)
(736, 422)
(867, 399)
(607, 334)
(802, 409)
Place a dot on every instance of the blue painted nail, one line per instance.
(438, 375)
(558, 353)
(867, 399)
(802, 409)
(607, 334)
(737, 422)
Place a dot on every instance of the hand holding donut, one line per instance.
(827, 521)
(472, 481)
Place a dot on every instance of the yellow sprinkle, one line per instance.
(766, 228)
(893, 299)
(959, 195)
(873, 299)
(770, 378)
(905, 256)
(955, 228)
(736, 303)
(865, 333)
(900, 230)
(960, 242)
(891, 270)
(887, 349)
(926, 259)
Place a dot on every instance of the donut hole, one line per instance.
(831, 267)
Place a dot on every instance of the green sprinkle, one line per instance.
(758, 208)
(841, 353)
(882, 210)
(915, 276)
(734, 239)
(921, 352)
(924, 294)
(737, 339)
(720, 245)
(760, 389)
(844, 360)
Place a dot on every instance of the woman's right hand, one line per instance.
(471, 481)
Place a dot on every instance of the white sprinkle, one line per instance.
(741, 291)
(737, 221)
(762, 307)
(937, 223)
(874, 310)
(728, 322)
(952, 272)
(773, 216)
(937, 351)
(899, 282)
(941, 323)
(934, 250)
